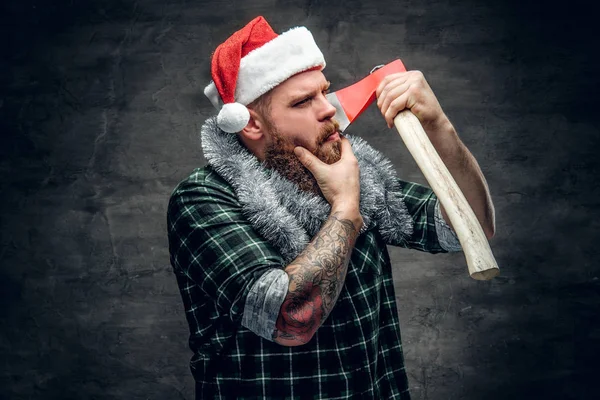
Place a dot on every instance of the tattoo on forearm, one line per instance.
(316, 280)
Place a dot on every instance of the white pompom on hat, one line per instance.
(253, 61)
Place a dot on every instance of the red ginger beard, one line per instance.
(279, 155)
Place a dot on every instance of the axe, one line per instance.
(351, 101)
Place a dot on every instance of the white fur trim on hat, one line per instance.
(264, 68)
(233, 117)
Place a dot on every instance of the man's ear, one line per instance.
(254, 129)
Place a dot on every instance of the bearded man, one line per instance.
(279, 243)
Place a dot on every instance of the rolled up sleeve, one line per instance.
(430, 232)
(264, 302)
(446, 235)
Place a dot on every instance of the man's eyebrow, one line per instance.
(299, 96)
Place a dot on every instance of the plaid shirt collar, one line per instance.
(288, 217)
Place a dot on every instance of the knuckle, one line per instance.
(419, 79)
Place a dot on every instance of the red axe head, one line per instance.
(351, 101)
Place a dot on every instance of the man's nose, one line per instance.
(326, 110)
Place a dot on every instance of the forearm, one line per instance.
(466, 172)
(316, 278)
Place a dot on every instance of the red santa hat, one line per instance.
(253, 61)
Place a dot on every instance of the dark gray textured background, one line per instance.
(100, 108)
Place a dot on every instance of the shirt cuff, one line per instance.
(446, 235)
(264, 301)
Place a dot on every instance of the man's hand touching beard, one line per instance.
(340, 181)
(280, 157)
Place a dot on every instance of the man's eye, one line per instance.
(301, 102)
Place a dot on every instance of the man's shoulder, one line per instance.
(204, 179)
(203, 188)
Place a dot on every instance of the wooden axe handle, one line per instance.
(480, 260)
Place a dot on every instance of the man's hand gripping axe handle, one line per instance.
(351, 101)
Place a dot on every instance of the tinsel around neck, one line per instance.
(288, 217)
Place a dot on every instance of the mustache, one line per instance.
(328, 130)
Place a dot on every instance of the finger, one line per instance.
(395, 107)
(346, 148)
(389, 82)
(309, 160)
(389, 78)
(392, 95)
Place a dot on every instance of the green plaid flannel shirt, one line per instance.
(217, 256)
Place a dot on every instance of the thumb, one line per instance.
(346, 146)
(308, 159)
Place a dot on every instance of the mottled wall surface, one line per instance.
(100, 108)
